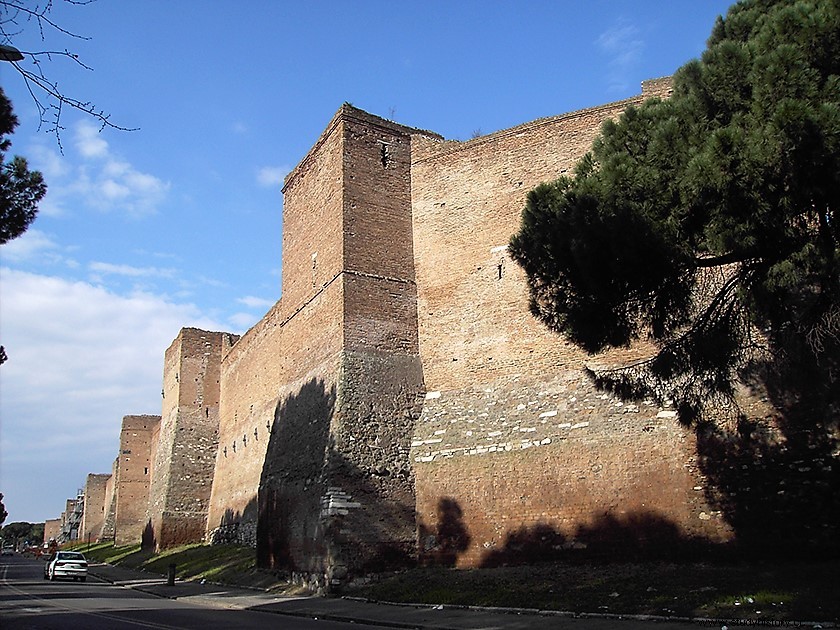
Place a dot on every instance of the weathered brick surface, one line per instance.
(186, 444)
(259, 374)
(332, 372)
(111, 502)
(527, 455)
(52, 528)
(482, 442)
(132, 484)
(93, 517)
(400, 400)
(297, 343)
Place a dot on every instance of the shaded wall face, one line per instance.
(162, 453)
(110, 520)
(290, 530)
(371, 499)
(336, 493)
(272, 362)
(297, 341)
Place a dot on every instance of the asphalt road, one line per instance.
(28, 602)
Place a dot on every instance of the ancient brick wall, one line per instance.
(400, 400)
(332, 371)
(52, 528)
(185, 449)
(132, 483)
(514, 444)
(370, 499)
(93, 517)
(110, 501)
(294, 348)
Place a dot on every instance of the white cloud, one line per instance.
(269, 176)
(80, 358)
(49, 161)
(243, 321)
(103, 180)
(94, 176)
(89, 141)
(623, 45)
(255, 302)
(28, 246)
(128, 270)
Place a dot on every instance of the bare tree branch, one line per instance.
(49, 98)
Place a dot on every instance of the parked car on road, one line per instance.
(66, 564)
(8, 551)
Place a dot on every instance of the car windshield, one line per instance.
(70, 555)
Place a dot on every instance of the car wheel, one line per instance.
(46, 577)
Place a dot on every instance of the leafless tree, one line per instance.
(18, 16)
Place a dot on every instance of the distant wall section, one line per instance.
(132, 484)
(93, 517)
(52, 529)
(185, 450)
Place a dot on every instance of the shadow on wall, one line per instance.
(148, 539)
(292, 480)
(775, 480)
(443, 546)
(777, 492)
(636, 536)
(379, 532)
(233, 526)
(319, 512)
(781, 489)
(632, 537)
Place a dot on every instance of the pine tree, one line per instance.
(20, 188)
(708, 223)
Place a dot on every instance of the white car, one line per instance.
(66, 564)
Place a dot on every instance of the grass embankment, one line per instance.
(222, 564)
(780, 592)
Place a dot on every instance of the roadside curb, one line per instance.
(705, 621)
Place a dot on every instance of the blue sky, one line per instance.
(179, 223)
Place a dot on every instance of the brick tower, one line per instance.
(185, 451)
